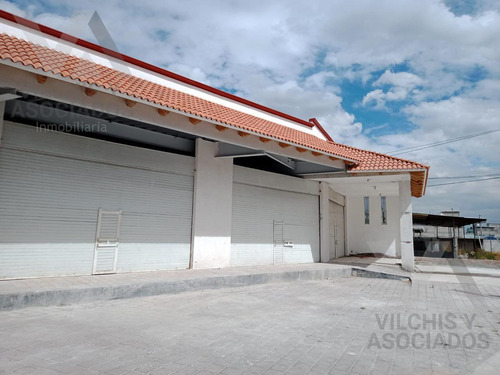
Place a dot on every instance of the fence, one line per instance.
(491, 245)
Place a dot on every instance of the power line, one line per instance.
(464, 182)
(439, 143)
(459, 177)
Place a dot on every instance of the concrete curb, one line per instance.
(60, 297)
(359, 272)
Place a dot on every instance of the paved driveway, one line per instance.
(345, 326)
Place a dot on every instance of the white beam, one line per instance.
(349, 179)
(287, 162)
(227, 150)
(7, 93)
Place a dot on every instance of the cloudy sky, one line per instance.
(386, 75)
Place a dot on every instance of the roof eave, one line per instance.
(425, 170)
(109, 91)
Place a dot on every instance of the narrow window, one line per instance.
(367, 210)
(383, 205)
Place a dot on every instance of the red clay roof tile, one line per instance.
(78, 69)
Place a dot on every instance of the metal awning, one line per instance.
(444, 220)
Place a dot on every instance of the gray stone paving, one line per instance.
(65, 290)
(303, 327)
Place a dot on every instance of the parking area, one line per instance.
(341, 326)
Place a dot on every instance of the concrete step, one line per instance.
(360, 272)
(17, 294)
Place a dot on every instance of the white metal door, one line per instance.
(107, 240)
(337, 248)
(278, 242)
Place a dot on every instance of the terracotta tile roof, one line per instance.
(78, 69)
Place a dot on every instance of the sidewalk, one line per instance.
(374, 264)
(47, 291)
(15, 294)
(474, 267)
(485, 272)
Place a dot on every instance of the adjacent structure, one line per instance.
(441, 236)
(109, 164)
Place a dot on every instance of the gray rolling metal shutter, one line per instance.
(258, 212)
(52, 186)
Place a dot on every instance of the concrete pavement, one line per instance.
(431, 269)
(15, 294)
(340, 326)
(48, 291)
(473, 267)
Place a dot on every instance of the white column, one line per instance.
(406, 225)
(324, 223)
(212, 205)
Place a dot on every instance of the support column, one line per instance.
(324, 222)
(212, 207)
(455, 243)
(406, 225)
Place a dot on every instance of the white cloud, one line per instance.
(401, 79)
(307, 102)
(12, 8)
(403, 84)
(450, 119)
(293, 56)
(377, 98)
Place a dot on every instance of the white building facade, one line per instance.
(110, 165)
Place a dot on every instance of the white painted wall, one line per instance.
(328, 222)
(406, 225)
(213, 186)
(374, 237)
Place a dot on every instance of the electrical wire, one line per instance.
(439, 143)
(464, 182)
(458, 177)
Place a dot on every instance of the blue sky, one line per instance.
(382, 75)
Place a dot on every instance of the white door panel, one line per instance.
(337, 244)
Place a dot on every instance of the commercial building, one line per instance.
(109, 164)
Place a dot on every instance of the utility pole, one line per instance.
(480, 233)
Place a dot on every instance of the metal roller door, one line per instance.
(271, 225)
(52, 187)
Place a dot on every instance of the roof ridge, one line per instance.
(142, 64)
(380, 154)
